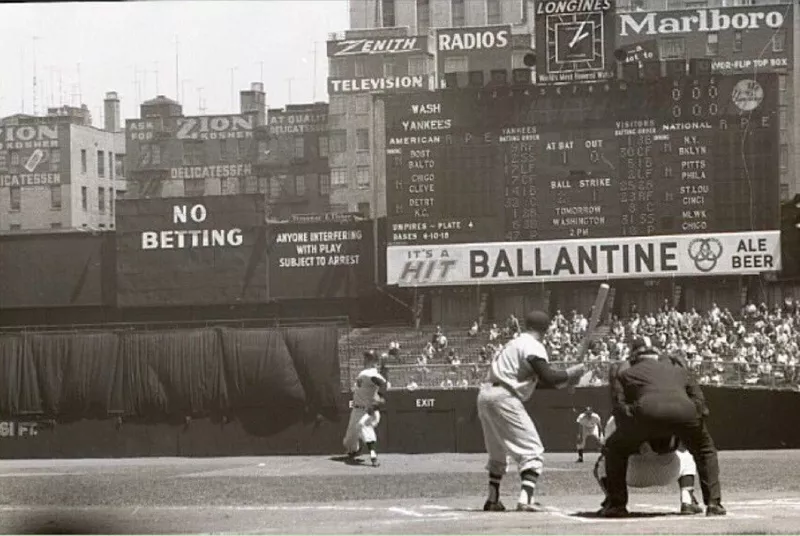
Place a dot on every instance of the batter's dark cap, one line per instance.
(641, 345)
(537, 321)
(370, 354)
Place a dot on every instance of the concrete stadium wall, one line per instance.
(412, 422)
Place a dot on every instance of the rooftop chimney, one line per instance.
(254, 101)
(111, 112)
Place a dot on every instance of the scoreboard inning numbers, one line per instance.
(674, 156)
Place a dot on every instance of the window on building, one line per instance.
(362, 177)
(712, 44)
(388, 68)
(339, 178)
(15, 193)
(55, 160)
(338, 141)
(15, 227)
(119, 165)
(417, 66)
(300, 185)
(782, 82)
(84, 198)
(111, 165)
(363, 209)
(299, 147)
(101, 164)
(324, 184)
(276, 186)
(228, 186)
(193, 154)
(358, 63)
(494, 12)
(423, 16)
(101, 200)
(55, 225)
(225, 147)
(156, 152)
(322, 142)
(337, 68)
(459, 13)
(362, 104)
(244, 148)
(337, 105)
(111, 201)
(13, 158)
(737, 41)
(388, 14)
(673, 48)
(194, 187)
(362, 139)
(83, 161)
(779, 41)
(784, 191)
(339, 208)
(456, 64)
(55, 197)
(783, 117)
(784, 156)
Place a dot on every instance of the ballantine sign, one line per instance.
(702, 20)
(394, 45)
(361, 85)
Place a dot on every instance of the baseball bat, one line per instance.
(599, 303)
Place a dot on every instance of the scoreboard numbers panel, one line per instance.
(680, 155)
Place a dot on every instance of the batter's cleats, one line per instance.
(689, 509)
(613, 512)
(579, 460)
(493, 506)
(716, 510)
(533, 507)
(375, 462)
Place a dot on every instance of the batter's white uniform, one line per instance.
(589, 427)
(650, 469)
(362, 424)
(508, 430)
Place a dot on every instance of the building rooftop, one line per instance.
(160, 99)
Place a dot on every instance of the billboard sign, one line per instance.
(190, 251)
(750, 38)
(283, 123)
(215, 127)
(574, 41)
(28, 137)
(370, 46)
(321, 260)
(462, 40)
(142, 129)
(222, 171)
(338, 86)
(599, 259)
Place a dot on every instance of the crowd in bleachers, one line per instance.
(756, 346)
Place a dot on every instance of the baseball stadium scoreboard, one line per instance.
(672, 156)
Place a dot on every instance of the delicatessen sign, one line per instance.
(572, 260)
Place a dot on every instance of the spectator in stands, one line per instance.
(412, 385)
(473, 330)
(394, 349)
(463, 383)
(494, 333)
(447, 383)
(439, 340)
(453, 359)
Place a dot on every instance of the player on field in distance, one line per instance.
(589, 426)
(508, 431)
(365, 416)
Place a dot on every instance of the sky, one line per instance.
(82, 50)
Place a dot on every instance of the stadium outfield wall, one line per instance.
(413, 422)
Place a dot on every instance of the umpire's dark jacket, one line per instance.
(652, 390)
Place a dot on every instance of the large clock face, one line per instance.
(575, 42)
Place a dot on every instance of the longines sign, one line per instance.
(391, 45)
(701, 20)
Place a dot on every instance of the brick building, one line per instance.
(59, 171)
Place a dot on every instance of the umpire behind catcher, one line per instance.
(652, 400)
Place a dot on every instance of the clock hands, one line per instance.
(579, 35)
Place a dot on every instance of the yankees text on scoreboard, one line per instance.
(571, 260)
(604, 160)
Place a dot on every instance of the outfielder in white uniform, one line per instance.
(365, 416)
(657, 465)
(589, 424)
(508, 430)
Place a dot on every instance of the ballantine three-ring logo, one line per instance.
(705, 252)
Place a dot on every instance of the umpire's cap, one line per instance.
(537, 321)
(641, 346)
